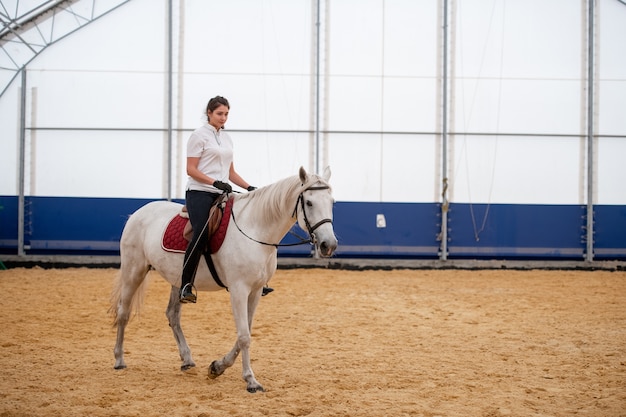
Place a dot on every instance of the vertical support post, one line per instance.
(590, 121)
(21, 208)
(443, 255)
(318, 56)
(178, 143)
(326, 55)
(317, 87)
(170, 53)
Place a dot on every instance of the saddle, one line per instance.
(179, 232)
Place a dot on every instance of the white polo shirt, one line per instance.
(215, 150)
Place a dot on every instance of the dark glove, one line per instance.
(251, 188)
(223, 186)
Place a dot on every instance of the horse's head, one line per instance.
(314, 211)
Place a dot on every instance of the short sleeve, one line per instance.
(195, 146)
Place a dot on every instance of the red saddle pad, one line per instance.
(173, 240)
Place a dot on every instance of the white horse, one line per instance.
(245, 262)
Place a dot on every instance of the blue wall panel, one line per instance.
(66, 225)
(609, 232)
(79, 224)
(8, 224)
(410, 230)
(93, 226)
(516, 231)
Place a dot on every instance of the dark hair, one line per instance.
(215, 102)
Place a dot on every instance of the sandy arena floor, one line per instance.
(325, 343)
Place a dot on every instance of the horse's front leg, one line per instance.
(243, 305)
(173, 316)
(247, 373)
(218, 367)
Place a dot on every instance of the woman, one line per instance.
(210, 168)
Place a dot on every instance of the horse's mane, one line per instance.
(274, 199)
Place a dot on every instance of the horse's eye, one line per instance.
(308, 203)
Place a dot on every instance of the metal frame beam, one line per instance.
(26, 34)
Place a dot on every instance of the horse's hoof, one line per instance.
(256, 388)
(187, 367)
(214, 372)
(119, 367)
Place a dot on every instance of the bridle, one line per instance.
(310, 229)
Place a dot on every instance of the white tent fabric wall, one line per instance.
(97, 101)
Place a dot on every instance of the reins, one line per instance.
(310, 229)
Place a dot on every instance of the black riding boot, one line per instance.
(190, 265)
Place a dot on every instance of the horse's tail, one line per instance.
(123, 302)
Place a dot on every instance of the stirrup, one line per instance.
(266, 290)
(187, 295)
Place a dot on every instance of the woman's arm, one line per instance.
(195, 173)
(236, 178)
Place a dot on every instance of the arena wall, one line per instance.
(93, 226)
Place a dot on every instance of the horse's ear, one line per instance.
(303, 175)
(326, 175)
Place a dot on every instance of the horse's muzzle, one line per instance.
(327, 247)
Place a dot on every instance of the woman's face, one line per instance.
(218, 117)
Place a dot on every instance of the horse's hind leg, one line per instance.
(173, 316)
(125, 293)
(118, 351)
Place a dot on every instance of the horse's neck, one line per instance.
(271, 210)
